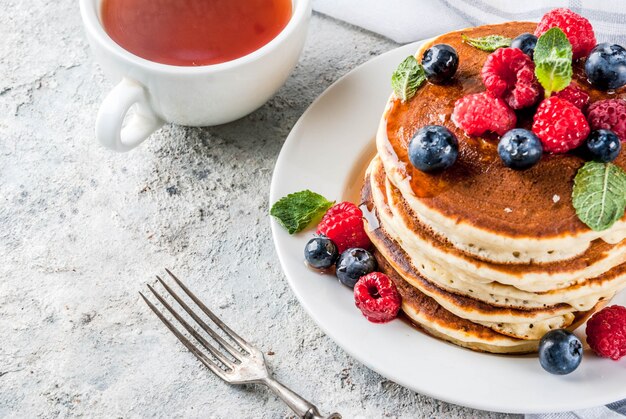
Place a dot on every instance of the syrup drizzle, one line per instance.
(354, 183)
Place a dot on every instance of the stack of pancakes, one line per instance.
(484, 256)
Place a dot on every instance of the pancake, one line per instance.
(479, 206)
(485, 257)
(429, 316)
(524, 323)
(583, 280)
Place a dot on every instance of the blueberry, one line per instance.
(603, 145)
(432, 148)
(560, 352)
(353, 264)
(321, 252)
(440, 63)
(606, 66)
(520, 149)
(526, 42)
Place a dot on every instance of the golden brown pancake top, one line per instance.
(478, 188)
(597, 251)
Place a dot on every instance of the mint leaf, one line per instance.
(553, 61)
(297, 210)
(599, 194)
(488, 43)
(407, 78)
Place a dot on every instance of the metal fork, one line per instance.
(242, 365)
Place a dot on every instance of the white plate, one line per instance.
(324, 152)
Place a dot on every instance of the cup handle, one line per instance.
(113, 129)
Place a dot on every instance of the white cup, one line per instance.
(195, 96)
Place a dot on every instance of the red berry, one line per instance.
(377, 297)
(575, 95)
(578, 30)
(510, 74)
(481, 112)
(343, 224)
(343, 207)
(608, 114)
(560, 125)
(606, 332)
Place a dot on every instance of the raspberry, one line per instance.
(575, 95)
(510, 74)
(343, 208)
(560, 125)
(608, 114)
(578, 30)
(343, 224)
(377, 297)
(482, 112)
(606, 332)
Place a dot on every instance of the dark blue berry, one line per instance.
(321, 252)
(353, 264)
(526, 42)
(520, 149)
(560, 352)
(432, 148)
(440, 63)
(606, 66)
(603, 145)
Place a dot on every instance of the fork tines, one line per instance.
(223, 361)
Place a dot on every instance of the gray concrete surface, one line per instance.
(82, 230)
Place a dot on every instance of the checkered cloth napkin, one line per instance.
(410, 20)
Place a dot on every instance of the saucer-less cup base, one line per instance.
(194, 96)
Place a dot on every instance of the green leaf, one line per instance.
(553, 61)
(599, 194)
(297, 210)
(407, 78)
(488, 43)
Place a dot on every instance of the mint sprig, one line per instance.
(407, 78)
(297, 210)
(488, 43)
(599, 194)
(553, 61)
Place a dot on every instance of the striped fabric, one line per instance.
(612, 411)
(410, 20)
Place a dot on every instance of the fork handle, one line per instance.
(303, 408)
